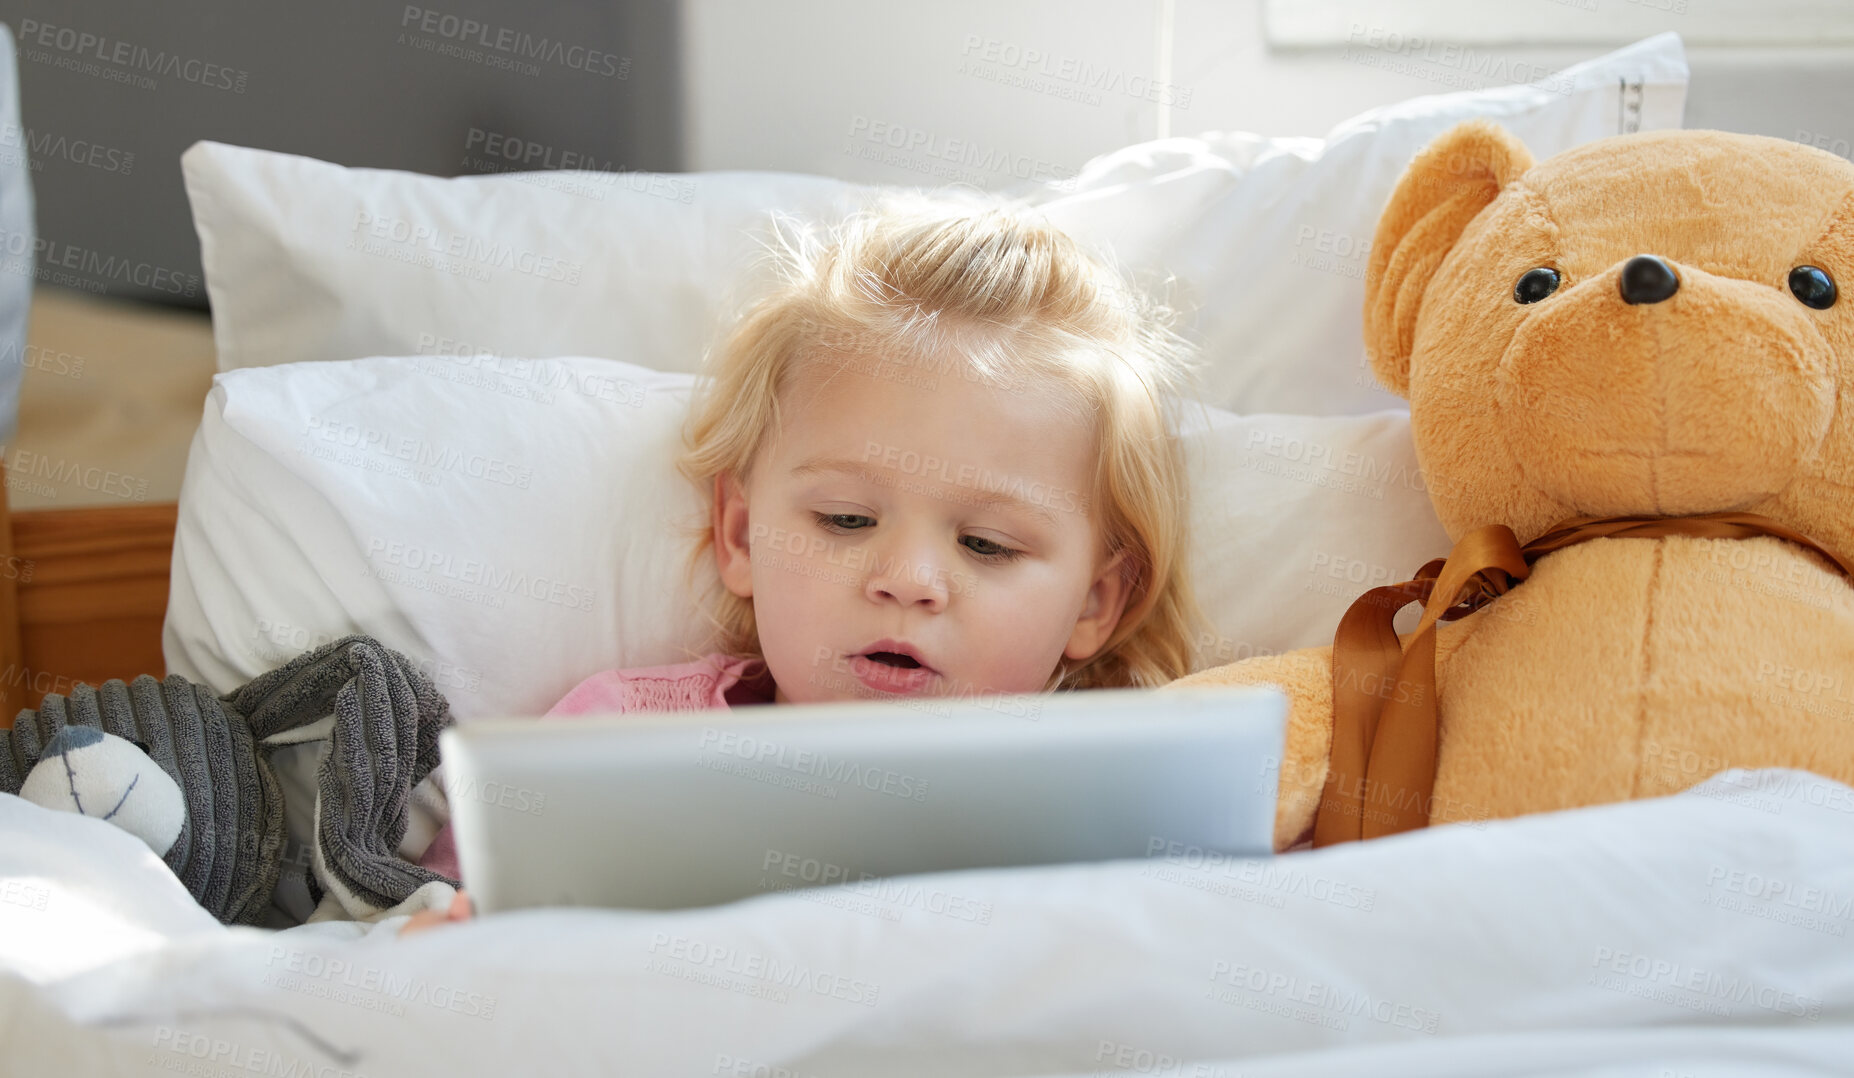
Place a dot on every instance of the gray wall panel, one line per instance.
(112, 91)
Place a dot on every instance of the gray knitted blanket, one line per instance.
(384, 742)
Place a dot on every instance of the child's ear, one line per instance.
(1451, 180)
(733, 554)
(1107, 599)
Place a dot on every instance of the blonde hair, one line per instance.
(1017, 302)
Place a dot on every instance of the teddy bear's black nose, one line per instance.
(1647, 279)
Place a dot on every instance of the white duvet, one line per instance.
(1701, 934)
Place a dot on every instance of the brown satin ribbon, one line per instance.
(1383, 769)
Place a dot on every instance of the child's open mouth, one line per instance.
(891, 671)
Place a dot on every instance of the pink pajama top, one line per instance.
(713, 681)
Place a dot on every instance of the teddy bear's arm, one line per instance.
(1307, 678)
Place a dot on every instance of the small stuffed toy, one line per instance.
(188, 771)
(93, 773)
(1631, 383)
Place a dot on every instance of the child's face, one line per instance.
(894, 541)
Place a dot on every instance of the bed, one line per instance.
(1698, 934)
(88, 598)
(1701, 933)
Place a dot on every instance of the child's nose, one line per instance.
(908, 582)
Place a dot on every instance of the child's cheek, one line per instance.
(798, 617)
(1009, 655)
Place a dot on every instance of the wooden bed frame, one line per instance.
(83, 594)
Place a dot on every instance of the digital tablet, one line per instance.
(668, 810)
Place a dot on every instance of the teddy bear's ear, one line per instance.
(1450, 181)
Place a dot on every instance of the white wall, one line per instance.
(815, 85)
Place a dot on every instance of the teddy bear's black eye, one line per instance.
(1813, 286)
(1535, 285)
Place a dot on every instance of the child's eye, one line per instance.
(834, 520)
(1001, 554)
(997, 552)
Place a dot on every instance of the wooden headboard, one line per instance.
(83, 594)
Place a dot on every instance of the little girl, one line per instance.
(942, 463)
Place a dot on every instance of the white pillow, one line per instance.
(512, 526)
(1269, 237)
(306, 260)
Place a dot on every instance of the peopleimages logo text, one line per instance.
(83, 45)
(514, 42)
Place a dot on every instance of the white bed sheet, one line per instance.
(1700, 934)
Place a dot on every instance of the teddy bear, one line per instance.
(1631, 385)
